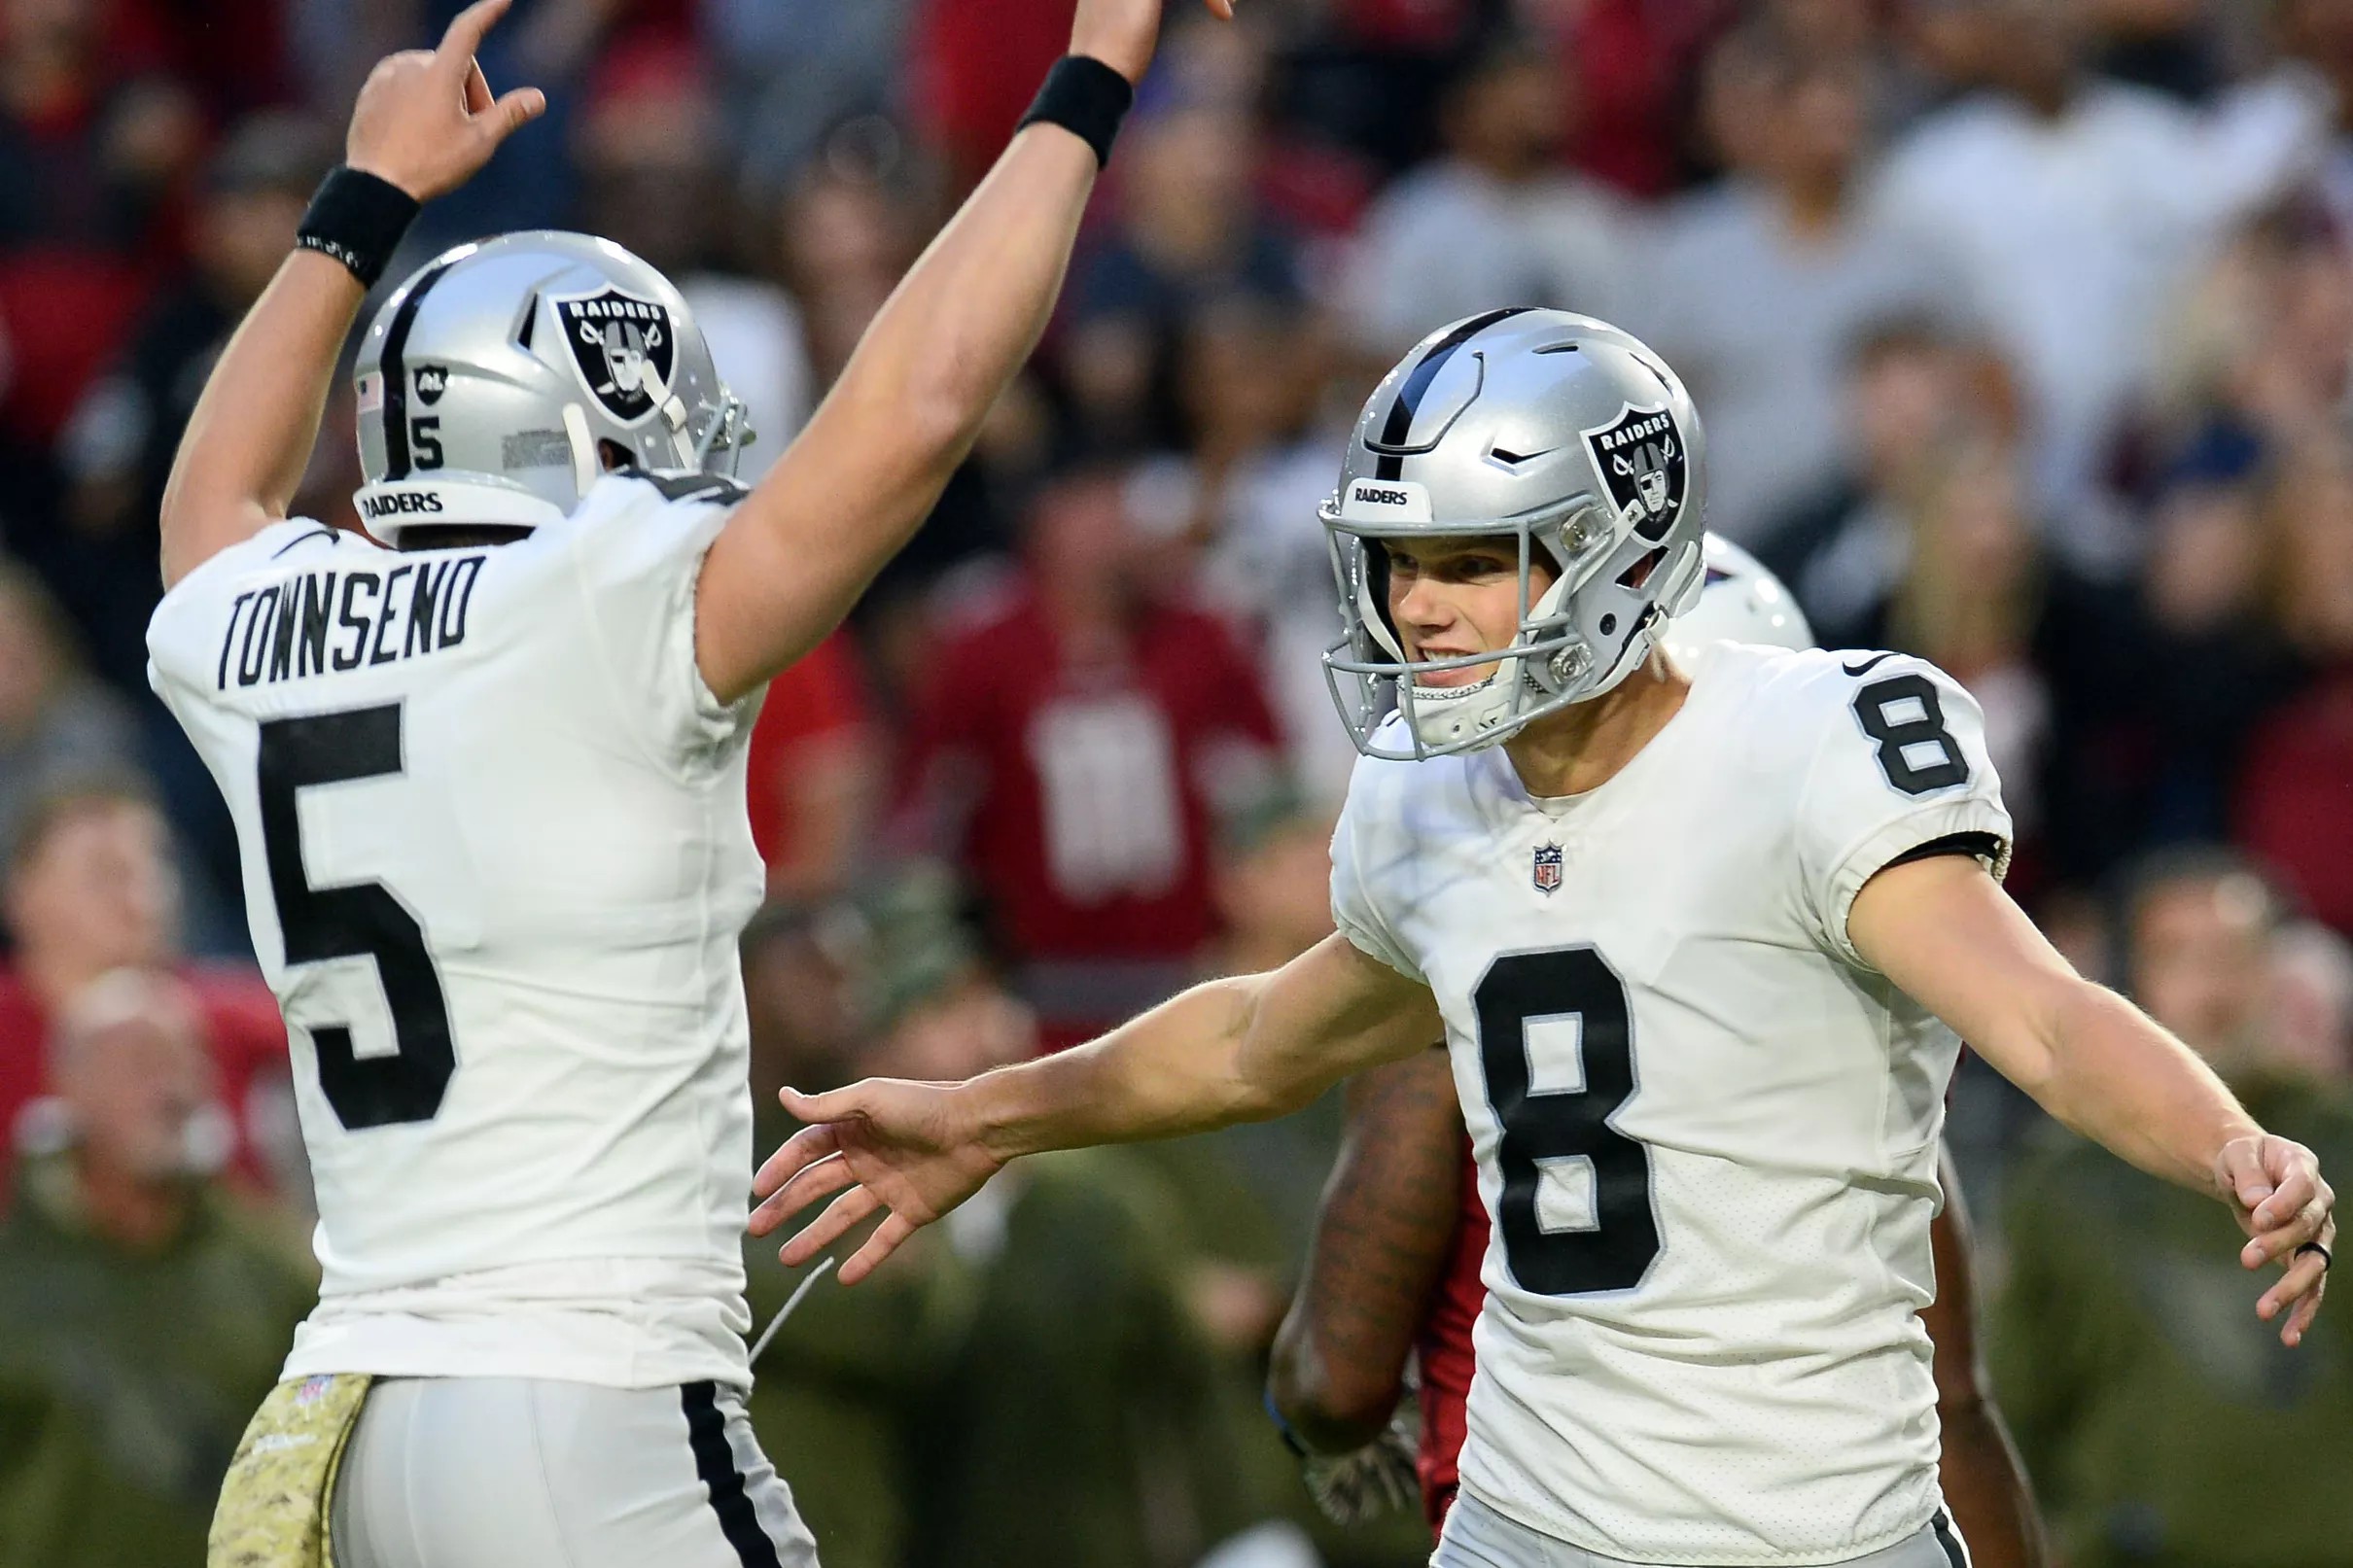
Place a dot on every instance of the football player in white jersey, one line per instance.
(488, 781)
(1698, 940)
(1395, 1271)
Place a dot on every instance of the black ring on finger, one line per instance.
(2326, 1259)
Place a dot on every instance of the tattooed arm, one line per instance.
(1380, 1241)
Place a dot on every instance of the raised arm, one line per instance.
(1943, 931)
(424, 122)
(1388, 1217)
(858, 481)
(1242, 1048)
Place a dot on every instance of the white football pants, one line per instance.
(528, 1472)
(1478, 1537)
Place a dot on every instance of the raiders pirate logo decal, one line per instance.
(431, 381)
(623, 347)
(1641, 454)
(1546, 873)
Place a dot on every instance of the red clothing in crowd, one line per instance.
(242, 1026)
(1078, 798)
(975, 65)
(817, 699)
(1632, 62)
(1448, 1360)
(2295, 798)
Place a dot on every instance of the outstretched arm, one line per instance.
(858, 481)
(1388, 1217)
(1983, 1483)
(1242, 1048)
(1943, 931)
(425, 121)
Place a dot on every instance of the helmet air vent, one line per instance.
(1635, 575)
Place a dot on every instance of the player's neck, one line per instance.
(1585, 746)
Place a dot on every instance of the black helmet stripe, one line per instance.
(396, 373)
(1399, 426)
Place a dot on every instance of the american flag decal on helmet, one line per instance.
(1546, 872)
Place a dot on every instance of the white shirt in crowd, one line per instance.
(1759, 321)
(1449, 241)
(2071, 235)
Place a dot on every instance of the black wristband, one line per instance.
(359, 219)
(1085, 97)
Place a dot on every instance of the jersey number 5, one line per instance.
(361, 919)
(1541, 1125)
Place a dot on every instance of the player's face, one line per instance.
(1452, 597)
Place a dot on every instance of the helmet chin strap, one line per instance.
(673, 415)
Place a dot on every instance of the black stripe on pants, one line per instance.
(1955, 1552)
(715, 1463)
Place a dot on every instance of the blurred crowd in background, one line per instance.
(2022, 332)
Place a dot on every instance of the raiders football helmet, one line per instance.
(1739, 602)
(502, 378)
(1554, 428)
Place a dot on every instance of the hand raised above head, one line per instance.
(426, 120)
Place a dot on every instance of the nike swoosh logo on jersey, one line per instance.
(1866, 665)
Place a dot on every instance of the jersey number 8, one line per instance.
(1540, 1126)
(361, 919)
(1916, 751)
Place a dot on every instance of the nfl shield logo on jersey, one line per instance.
(623, 344)
(1546, 874)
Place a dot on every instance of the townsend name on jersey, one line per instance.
(341, 620)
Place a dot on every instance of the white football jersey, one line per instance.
(496, 859)
(1705, 1128)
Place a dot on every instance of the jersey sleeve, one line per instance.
(1355, 861)
(1900, 766)
(184, 650)
(637, 551)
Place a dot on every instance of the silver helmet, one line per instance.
(1558, 430)
(504, 377)
(1739, 602)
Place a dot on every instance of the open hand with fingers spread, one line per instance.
(912, 1148)
(426, 121)
(2274, 1188)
